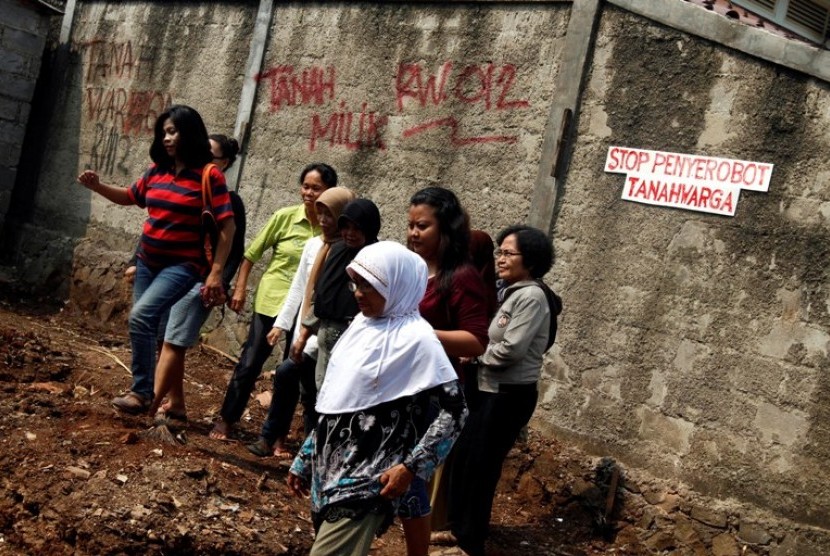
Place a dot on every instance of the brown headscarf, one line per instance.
(334, 198)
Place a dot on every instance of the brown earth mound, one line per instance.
(76, 477)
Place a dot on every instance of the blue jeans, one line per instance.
(154, 292)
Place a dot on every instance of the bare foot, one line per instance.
(221, 431)
(443, 537)
(280, 451)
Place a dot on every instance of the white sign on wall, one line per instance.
(686, 181)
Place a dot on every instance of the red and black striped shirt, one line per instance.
(172, 231)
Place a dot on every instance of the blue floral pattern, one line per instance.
(344, 456)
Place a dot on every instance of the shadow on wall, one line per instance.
(35, 247)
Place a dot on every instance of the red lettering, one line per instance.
(737, 172)
(107, 59)
(722, 169)
(653, 188)
(409, 84)
(641, 190)
(659, 160)
(340, 131)
(313, 86)
(319, 131)
(727, 205)
(632, 183)
(131, 112)
(485, 78)
(663, 195)
(505, 79)
(748, 178)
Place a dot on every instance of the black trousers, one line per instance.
(491, 430)
(255, 352)
(286, 393)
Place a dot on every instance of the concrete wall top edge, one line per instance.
(693, 19)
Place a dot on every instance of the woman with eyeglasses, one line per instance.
(521, 332)
(372, 438)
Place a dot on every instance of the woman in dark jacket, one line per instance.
(334, 305)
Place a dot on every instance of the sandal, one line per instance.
(132, 403)
(260, 448)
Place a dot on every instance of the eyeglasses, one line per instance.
(364, 287)
(506, 253)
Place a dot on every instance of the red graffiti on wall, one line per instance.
(488, 85)
(485, 84)
(107, 59)
(312, 85)
(352, 130)
(109, 150)
(452, 123)
(131, 112)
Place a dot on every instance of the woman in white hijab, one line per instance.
(370, 441)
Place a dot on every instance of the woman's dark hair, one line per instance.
(535, 246)
(327, 173)
(193, 148)
(229, 147)
(454, 226)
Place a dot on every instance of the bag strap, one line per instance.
(207, 190)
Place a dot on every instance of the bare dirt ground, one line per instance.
(76, 477)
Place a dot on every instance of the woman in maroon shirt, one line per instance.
(455, 304)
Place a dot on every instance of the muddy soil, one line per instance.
(77, 477)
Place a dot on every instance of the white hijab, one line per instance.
(381, 359)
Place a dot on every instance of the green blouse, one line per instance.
(285, 234)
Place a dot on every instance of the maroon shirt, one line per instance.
(464, 307)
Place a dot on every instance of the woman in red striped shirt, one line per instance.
(170, 256)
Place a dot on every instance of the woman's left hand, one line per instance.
(297, 485)
(395, 481)
(213, 292)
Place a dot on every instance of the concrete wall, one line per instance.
(404, 96)
(23, 29)
(128, 62)
(693, 346)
